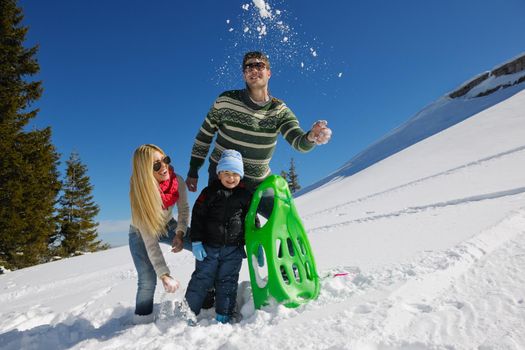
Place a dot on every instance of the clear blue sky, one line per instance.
(118, 74)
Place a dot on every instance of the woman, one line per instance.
(154, 190)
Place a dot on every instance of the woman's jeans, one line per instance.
(147, 278)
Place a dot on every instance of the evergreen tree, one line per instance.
(76, 215)
(291, 177)
(28, 161)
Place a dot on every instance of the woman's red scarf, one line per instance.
(169, 190)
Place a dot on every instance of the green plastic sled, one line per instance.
(289, 274)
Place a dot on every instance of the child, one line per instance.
(217, 235)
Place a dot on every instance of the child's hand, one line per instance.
(198, 251)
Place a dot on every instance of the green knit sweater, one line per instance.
(251, 129)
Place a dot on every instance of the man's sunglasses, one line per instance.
(254, 65)
(158, 164)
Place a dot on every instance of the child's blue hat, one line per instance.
(231, 160)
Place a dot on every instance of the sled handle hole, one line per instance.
(308, 270)
(296, 273)
(302, 248)
(265, 207)
(291, 249)
(284, 275)
(261, 272)
(279, 248)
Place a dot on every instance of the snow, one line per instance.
(424, 249)
(263, 7)
(275, 31)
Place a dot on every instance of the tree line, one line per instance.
(42, 217)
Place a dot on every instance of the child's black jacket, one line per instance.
(218, 215)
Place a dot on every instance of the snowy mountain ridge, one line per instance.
(507, 74)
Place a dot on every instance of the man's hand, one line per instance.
(170, 284)
(320, 133)
(176, 245)
(191, 182)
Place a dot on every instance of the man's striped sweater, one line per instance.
(251, 129)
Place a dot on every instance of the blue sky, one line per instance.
(118, 74)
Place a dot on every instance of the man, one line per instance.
(249, 121)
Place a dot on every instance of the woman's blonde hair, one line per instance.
(147, 213)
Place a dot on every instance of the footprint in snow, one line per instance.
(364, 309)
(417, 308)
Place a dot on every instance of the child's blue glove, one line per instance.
(260, 256)
(198, 250)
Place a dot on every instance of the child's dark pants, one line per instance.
(220, 269)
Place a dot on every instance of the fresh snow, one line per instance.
(424, 249)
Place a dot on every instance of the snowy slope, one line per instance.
(432, 240)
(474, 96)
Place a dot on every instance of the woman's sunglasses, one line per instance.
(158, 164)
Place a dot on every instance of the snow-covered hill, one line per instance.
(474, 96)
(431, 243)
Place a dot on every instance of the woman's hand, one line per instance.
(177, 244)
(170, 284)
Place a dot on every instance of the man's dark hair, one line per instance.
(257, 55)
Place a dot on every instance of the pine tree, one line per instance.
(28, 161)
(291, 177)
(76, 215)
